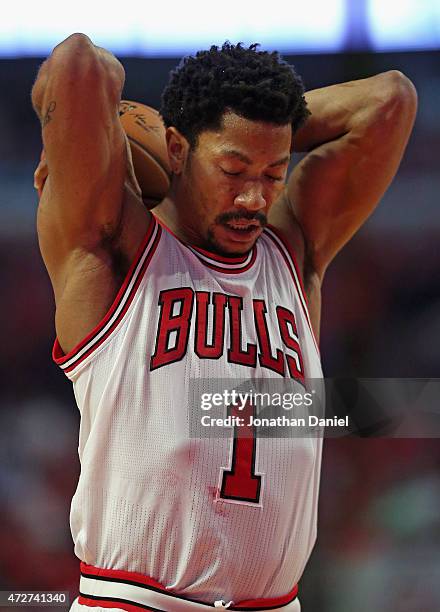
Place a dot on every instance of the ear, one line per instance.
(178, 148)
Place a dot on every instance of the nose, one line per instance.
(251, 196)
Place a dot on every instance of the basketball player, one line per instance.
(221, 281)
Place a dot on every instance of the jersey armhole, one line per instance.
(69, 361)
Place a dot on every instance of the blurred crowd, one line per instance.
(378, 543)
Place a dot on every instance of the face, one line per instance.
(230, 181)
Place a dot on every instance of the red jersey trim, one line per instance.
(228, 268)
(219, 263)
(112, 603)
(139, 580)
(290, 259)
(119, 307)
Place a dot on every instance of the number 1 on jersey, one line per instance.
(240, 483)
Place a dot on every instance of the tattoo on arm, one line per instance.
(48, 116)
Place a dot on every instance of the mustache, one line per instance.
(244, 216)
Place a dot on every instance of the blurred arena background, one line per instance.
(378, 541)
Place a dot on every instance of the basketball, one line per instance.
(146, 135)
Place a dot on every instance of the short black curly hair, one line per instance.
(257, 85)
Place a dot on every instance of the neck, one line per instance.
(171, 211)
(166, 211)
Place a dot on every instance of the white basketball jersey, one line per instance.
(189, 511)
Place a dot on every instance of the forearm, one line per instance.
(354, 106)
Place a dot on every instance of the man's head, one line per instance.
(230, 114)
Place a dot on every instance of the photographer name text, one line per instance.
(279, 421)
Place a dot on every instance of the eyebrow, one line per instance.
(245, 159)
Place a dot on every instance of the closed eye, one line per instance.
(230, 173)
(272, 179)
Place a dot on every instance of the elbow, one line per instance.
(74, 45)
(72, 55)
(77, 69)
(400, 97)
(387, 112)
(85, 65)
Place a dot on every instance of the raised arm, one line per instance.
(91, 218)
(355, 139)
(76, 97)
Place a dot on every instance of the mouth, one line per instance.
(243, 230)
